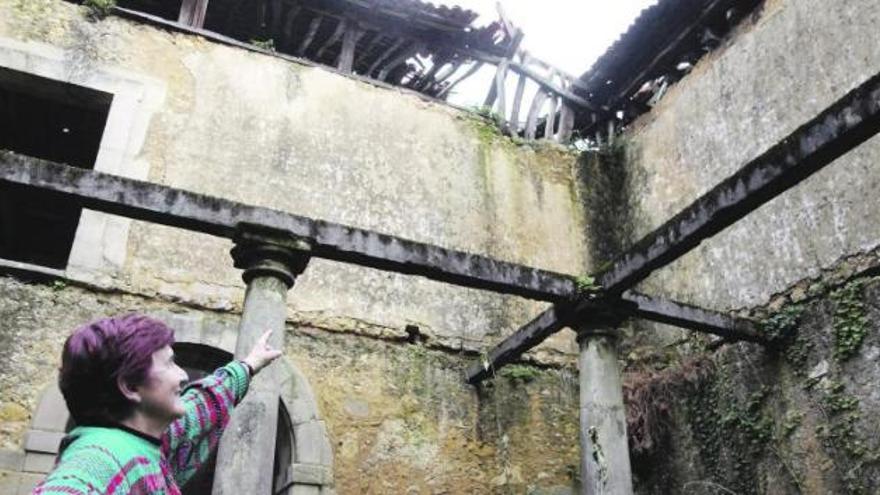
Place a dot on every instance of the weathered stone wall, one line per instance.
(742, 419)
(256, 128)
(797, 418)
(400, 418)
(267, 131)
(779, 71)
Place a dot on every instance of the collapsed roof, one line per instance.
(406, 43)
(658, 49)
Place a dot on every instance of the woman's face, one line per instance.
(160, 392)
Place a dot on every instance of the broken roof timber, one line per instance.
(663, 35)
(848, 122)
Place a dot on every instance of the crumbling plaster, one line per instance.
(773, 75)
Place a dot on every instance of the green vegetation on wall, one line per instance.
(99, 9)
(756, 420)
(850, 319)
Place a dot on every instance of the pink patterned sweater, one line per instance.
(116, 460)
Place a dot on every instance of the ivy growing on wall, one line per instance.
(850, 319)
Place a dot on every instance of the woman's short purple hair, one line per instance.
(98, 354)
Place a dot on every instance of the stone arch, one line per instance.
(302, 432)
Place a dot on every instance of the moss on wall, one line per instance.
(797, 417)
(399, 414)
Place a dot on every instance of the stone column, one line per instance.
(605, 467)
(247, 449)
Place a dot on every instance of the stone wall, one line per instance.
(739, 418)
(399, 416)
(263, 130)
(800, 417)
(259, 129)
(776, 73)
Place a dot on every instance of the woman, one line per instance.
(138, 431)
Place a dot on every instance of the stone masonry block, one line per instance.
(51, 414)
(36, 462)
(311, 474)
(46, 442)
(12, 460)
(187, 326)
(301, 410)
(305, 490)
(298, 396)
(312, 444)
(27, 482)
(228, 338)
(220, 335)
(8, 481)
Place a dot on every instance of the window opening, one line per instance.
(54, 121)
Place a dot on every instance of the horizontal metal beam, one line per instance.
(529, 335)
(630, 304)
(844, 125)
(220, 217)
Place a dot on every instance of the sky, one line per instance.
(570, 34)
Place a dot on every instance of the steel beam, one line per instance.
(634, 304)
(220, 217)
(848, 122)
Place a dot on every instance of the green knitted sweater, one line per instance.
(117, 460)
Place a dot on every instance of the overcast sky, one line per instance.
(570, 34)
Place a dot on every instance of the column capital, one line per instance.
(265, 252)
(603, 324)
